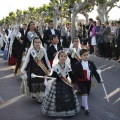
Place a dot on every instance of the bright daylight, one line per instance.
(60, 60)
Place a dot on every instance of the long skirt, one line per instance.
(37, 89)
(12, 60)
(61, 101)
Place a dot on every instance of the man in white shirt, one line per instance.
(50, 31)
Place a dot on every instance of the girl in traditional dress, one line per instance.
(37, 63)
(74, 51)
(74, 55)
(61, 101)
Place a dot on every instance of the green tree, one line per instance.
(104, 7)
(78, 6)
(25, 16)
(12, 16)
(7, 20)
(18, 16)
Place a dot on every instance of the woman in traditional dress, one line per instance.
(11, 60)
(15, 43)
(37, 63)
(15, 46)
(30, 34)
(61, 101)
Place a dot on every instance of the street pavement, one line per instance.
(17, 107)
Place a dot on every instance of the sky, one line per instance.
(114, 14)
(7, 6)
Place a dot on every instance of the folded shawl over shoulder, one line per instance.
(30, 51)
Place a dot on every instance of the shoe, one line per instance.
(87, 112)
(33, 97)
(119, 60)
(39, 100)
(82, 107)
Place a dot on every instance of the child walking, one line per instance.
(36, 62)
(61, 101)
(84, 70)
(74, 51)
(53, 48)
(74, 55)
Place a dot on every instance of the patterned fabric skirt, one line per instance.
(37, 89)
(60, 101)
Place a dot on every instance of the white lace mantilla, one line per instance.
(39, 54)
(74, 51)
(31, 36)
(17, 35)
(57, 68)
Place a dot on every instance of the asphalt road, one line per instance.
(18, 107)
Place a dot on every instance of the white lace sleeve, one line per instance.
(27, 59)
